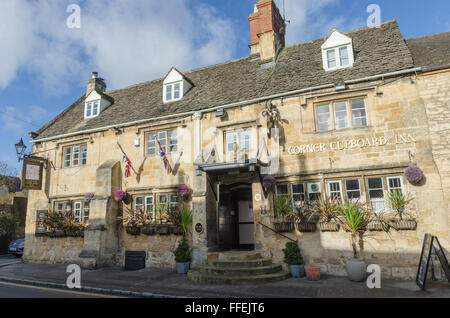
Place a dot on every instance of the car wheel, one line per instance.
(18, 255)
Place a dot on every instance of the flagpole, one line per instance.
(131, 165)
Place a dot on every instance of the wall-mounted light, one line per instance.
(198, 172)
(339, 85)
(220, 113)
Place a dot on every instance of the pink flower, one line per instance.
(119, 195)
(269, 182)
(88, 197)
(414, 174)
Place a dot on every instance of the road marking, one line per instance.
(10, 263)
(61, 290)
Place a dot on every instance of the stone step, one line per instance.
(241, 280)
(238, 256)
(244, 271)
(240, 263)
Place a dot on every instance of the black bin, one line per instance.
(134, 260)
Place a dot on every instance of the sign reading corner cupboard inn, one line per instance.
(32, 174)
(346, 144)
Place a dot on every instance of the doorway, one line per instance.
(236, 224)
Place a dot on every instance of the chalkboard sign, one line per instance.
(441, 255)
(40, 227)
(424, 261)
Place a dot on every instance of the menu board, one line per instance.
(40, 227)
(32, 175)
(424, 261)
(442, 258)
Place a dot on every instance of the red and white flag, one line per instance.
(127, 166)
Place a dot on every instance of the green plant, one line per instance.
(174, 216)
(133, 218)
(54, 221)
(355, 218)
(163, 212)
(327, 208)
(283, 207)
(399, 202)
(302, 213)
(186, 218)
(182, 252)
(8, 225)
(292, 254)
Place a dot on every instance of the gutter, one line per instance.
(226, 106)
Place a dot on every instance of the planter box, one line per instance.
(177, 230)
(163, 230)
(59, 233)
(133, 230)
(306, 227)
(377, 226)
(148, 230)
(297, 271)
(283, 227)
(403, 225)
(73, 232)
(329, 227)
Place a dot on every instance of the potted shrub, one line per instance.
(312, 272)
(302, 216)
(183, 256)
(355, 218)
(133, 221)
(293, 258)
(283, 214)
(327, 209)
(399, 203)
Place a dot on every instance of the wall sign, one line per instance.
(263, 210)
(199, 228)
(32, 174)
(40, 227)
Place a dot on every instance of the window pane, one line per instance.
(376, 194)
(359, 114)
(95, 109)
(231, 140)
(77, 211)
(343, 54)
(331, 57)
(139, 203)
(162, 140)
(176, 93)
(151, 144)
(84, 155)
(335, 190)
(353, 190)
(168, 92)
(323, 117)
(283, 190)
(244, 140)
(67, 157)
(75, 155)
(340, 115)
(173, 204)
(89, 110)
(173, 140)
(85, 212)
(298, 194)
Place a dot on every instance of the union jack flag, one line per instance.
(127, 166)
(165, 160)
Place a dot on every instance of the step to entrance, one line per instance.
(237, 268)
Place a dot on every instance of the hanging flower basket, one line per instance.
(183, 191)
(329, 227)
(122, 196)
(269, 182)
(414, 174)
(88, 197)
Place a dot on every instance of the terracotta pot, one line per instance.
(329, 227)
(306, 227)
(283, 227)
(312, 272)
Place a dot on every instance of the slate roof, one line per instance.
(378, 50)
(430, 51)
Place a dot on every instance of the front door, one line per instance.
(246, 225)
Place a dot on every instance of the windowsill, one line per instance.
(343, 130)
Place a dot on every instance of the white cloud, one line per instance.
(126, 41)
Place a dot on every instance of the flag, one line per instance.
(165, 160)
(127, 166)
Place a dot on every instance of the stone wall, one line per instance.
(46, 250)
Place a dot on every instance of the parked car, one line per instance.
(16, 247)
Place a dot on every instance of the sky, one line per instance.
(45, 65)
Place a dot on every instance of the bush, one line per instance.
(8, 225)
(292, 254)
(182, 253)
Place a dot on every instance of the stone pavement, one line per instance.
(168, 282)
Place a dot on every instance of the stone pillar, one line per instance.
(101, 240)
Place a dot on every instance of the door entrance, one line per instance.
(236, 222)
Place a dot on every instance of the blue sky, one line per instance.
(44, 65)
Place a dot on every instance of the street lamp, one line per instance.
(20, 149)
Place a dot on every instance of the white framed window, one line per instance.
(77, 211)
(335, 189)
(359, 113)
(173, 140)
(165, 138)
(341, 115)
(338, 57)
(92, 109)
(298, 194)
(231, 140)
(353, 190)
(139, 203)
(74, 156)
(151, 144)
(172, 92)
(244, 140)
(323, 117)
(395, 184)
(349, 113)
(282, 190)
(376, 194)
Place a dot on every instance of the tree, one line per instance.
(6, 170)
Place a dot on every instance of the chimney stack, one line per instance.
(96, 83)
(267, 30)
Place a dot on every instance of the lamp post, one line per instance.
(20, 149)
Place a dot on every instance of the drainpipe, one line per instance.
(198, 141)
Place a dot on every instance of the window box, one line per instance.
(133, 230)
(378, 226)
(56, 233)
(176, 230)
(283, 227)
(73, 231)
(149, 230)
(329, 227)
(403, 224)
(306, 227)
(163, 229)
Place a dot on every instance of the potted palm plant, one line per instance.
(303, 215)
(327, 209)
(399, 203)
(355, 218)
(183, 256)
(186, 219)
(293, 258)
(163, 228)
(283, 214)
(133, 220)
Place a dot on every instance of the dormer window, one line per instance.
(92, 109)
(337, 52)
(176, 85)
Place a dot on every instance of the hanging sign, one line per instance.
(199, 228)
(40, 227)
(32, 175)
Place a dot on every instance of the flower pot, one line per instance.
(133, 230)
(356, 270)
(163, 230)
(176, 230)
(404, 224)
(329, 227)
(148, 230)
(183, 268)
(312, 272)
(297, 271)
(306, 227)
(283, 227)
(377, 226)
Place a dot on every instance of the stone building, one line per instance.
(350, 113)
